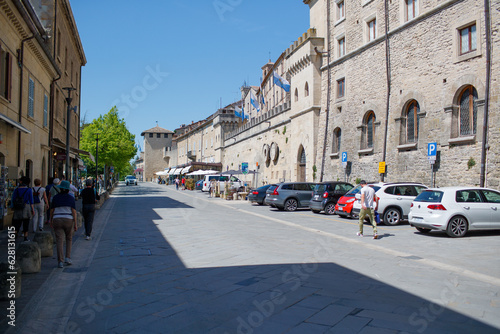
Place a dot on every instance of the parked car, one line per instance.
(222, 179)
(258, 195)
(394, 200)
(130, 179)
(326, 194)
(343, 207)
(456, 210)
(290, 196)
(198, 185)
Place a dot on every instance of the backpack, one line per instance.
(36, 196)
(19, 201)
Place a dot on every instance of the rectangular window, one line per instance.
(411, 9)
(340, 10)
(468, 41)
(150, 135)
(372, 30)
(45, 110)
(158, 135)
(5, 74)
(342, 47)
(340, 88)
(31, 98)
(165, 135)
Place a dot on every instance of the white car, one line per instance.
(130, 179)
(221, 179)
(394, 200)
(456, 210)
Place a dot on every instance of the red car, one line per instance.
(344, 204)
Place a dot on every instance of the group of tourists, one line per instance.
(53, 205)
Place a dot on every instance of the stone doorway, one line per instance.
(301, 172)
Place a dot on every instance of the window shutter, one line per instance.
(8, 81)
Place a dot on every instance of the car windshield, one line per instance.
(432, 196)
(320, 188)
(271, 188)
(130, 177)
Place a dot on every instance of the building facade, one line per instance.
(156, 140)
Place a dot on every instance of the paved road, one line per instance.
(167, 261)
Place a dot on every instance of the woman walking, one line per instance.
(63, 221)
(22, 203)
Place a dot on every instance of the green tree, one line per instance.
(116, 143)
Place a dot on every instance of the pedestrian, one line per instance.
(89, 200)
(40, 204)
(176, 183)
(63, 221)
(22, 203)
(368, 207)
(54, 189)
(183, 183)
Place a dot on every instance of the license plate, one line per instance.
(316, 197)
(417, 219)
(341, 209)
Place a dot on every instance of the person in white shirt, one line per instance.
(41, 204)
(369, 204)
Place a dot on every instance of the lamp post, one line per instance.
(68, 123)
(96, 162)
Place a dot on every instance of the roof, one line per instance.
(156, 129)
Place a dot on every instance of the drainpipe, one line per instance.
(485, 146)
(20, 58)
(388, 74)
(327, 111)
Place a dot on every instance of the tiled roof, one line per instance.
(156, 129)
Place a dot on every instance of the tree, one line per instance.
(116, 143)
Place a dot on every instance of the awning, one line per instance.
(186, 169)
(14, 124)
(177, 171)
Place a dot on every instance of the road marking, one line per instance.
(432, 263)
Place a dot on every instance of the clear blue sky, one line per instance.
(173, 61)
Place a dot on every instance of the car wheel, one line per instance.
(291, 204)
(457, 227)
(315, 211)
(423, 230)
(330, 209)
(392, 216)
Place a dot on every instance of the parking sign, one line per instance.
(344, 156)
(431, 152)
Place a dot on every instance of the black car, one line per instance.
(326, 195)
(258, 195)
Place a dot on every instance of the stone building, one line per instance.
(389, 91)
(155, 141)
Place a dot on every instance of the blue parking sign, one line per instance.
(344, 156)
(431, 149)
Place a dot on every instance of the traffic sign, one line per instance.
(244, 167)
(344, 156)
(431, 152)
(381, 167)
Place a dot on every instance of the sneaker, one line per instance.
(87, 237)
(60, 265)
(359, 234)
(26, 239)
(68, 261)
(40, 229)
(375, 236)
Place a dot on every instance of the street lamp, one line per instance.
(96, 162)
(68, 123)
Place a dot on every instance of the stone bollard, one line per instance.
(10, 283)
(45, 241)
(79, 219)
(29, 257)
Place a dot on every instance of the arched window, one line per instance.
(296, 94)
(306, 90)
(411, 115)
(468, 112)
(337, 136)
(368, 130)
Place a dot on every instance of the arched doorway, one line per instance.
(29, 170)
(301, 165)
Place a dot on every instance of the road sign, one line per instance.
(432, 152)
(381, 167)
(244, 167)
(344, 156)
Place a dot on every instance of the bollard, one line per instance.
(45, 241)
(29, 257)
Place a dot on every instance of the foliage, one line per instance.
(315, 169)
(116, 143)
(189, 184)
(471, 163)
(358, 180)
(284, 130)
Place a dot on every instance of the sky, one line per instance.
(174, 62)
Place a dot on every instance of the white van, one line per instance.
(222, 179)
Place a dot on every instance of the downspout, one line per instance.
(388, 74)
(485, 146)
(327, 111)
(20, 58)
(52, 96)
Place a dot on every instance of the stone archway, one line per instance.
(301, 164)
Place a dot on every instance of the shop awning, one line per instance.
(186, 169)
(14, 124)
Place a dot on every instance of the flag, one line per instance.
(238, 112)
(262, 97)
(253, 101)
(280, 82)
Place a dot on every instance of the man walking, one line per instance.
(89, 199)
(367, 208)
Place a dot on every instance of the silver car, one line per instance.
(290, 196)
(130, 180)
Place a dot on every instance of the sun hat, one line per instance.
(64, 185)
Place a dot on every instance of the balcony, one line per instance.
(191, 155)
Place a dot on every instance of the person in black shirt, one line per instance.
(89, 199)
